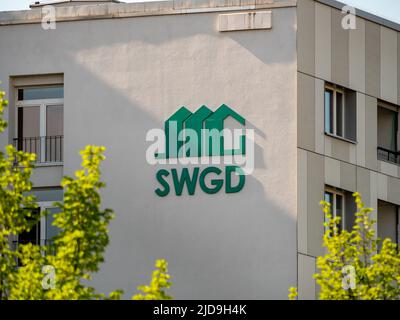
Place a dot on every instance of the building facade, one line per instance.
(348, 98)
(322, 100)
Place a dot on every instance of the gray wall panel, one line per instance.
(323, 42)
(348, 177)
(302, 208)
(340, 149)
(306, 112)
(373, 58)
(357, 57)
(371, 133)
(394, 190)
(306, 36)
(363, 184)
(389, 67)
(306, 285)
(398, 67)
(340, 50)
(316, 185)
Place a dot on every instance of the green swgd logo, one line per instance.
(202, 135)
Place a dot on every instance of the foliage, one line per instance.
(26, 283)
(80, 244)
(159, 282)
(84, 234)
(357, 265)
(79, 247)
(3, 104)
(15, 216)
(293, 294)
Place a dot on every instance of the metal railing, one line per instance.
(51, 248)
(47, 149)
(16, 243)
(388, 155)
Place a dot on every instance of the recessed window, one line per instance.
(33, 235)
(43, 232)
(329, 109)
(342, 206)
(388, 221)
(40, 122)
(340, 112)
(336, 200)
(388, 130)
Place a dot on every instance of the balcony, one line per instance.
(48, 149)
(388, 133)
(388, 155)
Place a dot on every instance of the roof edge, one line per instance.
(363, 14)
(137, 9)
(39, 4)
(124, 10)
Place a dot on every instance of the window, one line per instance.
(388, 130)
(33, 235)
(340, 112)
(336, 199)
(40, 93)
(43, 232)
(40, 121)
(388, 221)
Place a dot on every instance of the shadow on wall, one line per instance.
(220, 246)
(283, 19)
(160, 30)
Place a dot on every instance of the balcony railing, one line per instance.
(49, 244)
(48, 149)
(46, 242)
(388, 155)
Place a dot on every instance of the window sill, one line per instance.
(49, 164)
(340, 138)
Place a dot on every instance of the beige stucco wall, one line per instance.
(123, 77)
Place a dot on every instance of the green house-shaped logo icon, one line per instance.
(208, 127)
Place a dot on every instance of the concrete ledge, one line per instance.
(257, 20)
(69, 2)
(124, 10)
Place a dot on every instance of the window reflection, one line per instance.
(41, 93)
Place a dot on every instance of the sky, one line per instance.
(389, 9)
